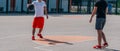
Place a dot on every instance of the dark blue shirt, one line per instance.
(101, 9)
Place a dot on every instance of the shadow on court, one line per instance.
(53, 42)
(61, 39)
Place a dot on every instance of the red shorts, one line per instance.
(38, 22)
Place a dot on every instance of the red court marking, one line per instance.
(53, 40)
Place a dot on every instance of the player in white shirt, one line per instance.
(38, 22)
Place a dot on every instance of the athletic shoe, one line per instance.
(33, 37)
(105, 44)
(40, 35)
(97, 47)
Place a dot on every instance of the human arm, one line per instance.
(45, 10)
(93, 13)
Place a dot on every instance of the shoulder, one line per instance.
(34, 2)
(97, 3)
(43, 2)
(105, 3)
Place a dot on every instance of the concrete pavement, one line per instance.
(15, 33)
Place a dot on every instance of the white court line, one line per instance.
(11, 36)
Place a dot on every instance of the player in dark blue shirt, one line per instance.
(100, 9)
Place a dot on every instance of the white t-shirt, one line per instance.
(39, 8)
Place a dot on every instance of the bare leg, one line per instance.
(33, 31)
(99, 37)
(104, 38)
(39, 34)
(40, 30)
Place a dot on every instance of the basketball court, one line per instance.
(61, 33)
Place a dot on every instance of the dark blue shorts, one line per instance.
(100, 23)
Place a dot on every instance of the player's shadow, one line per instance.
(107, 49)
(54, 42)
